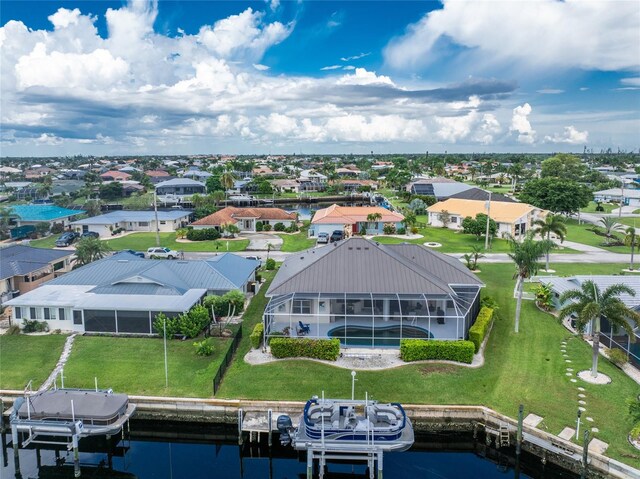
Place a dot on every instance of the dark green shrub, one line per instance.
(478, 331)
(256, 335)
(172, 325)
(34, 326)
(204, 348)
(421, 349)
(327, 349)
(401, 231)
(292, 228)
(259, 226)
(57, 228)
(207, 234)
(279, 227)
(270, 264)
(266, 227)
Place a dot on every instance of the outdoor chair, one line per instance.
(304, 327)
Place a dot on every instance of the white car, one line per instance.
(162, 253)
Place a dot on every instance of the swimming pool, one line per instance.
(356, 335)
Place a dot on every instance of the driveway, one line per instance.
(259, 242)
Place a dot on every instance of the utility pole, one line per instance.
(486, 238)
(621, 199)
(155, 212)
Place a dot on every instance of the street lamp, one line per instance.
(353, 385)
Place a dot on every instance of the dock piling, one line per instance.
(585, 454)
(76, 456)
(380, 465)
(309, 464)
(519, 433)
(270, 425)
(240, 414)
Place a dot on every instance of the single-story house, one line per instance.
(123, 293)
(440, 187)
(8, 170)
(180, 187)
(511, 218)
(23, 268)
(482, 195)
(372, 295)
(355, 185)
(157, 174)
(33, 214)
(115, 175)
(348, 172)
(286, 186)
(245, 218)
(609, 338)
(353, 220)
(104, 225)
(38, 172)
(196, 174)
(629, 197)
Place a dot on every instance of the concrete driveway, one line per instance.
(259, 242)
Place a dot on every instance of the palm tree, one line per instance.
(90, 249)
(631, 239)
(550, 224)
(227, 181)
(46, 187)
(5, 222)
(525, 254)
(410, 220)
(374, 218)
(589, 305)
(610, 226)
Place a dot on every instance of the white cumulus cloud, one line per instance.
(570, 136)
(520, 124)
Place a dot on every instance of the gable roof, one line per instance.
(501, 212)
(116, 174)
(42, 212)
(179, 182)
(560, 285)
(16, 260)
(357, 265)
(231, 213)
(482, 195)
(335, 214)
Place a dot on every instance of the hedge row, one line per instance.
(420, 349)
(203, 234)
(256, 335)
(328, 349)
(478, 331)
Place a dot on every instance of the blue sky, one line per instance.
(318, 76)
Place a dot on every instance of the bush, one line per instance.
(13, 330)
(420, 349)
(618, 357)
(489, 302)
(204, 348)
(270, 264)
(478, 331)
(292, 228)
(266, 227)
(278, 227)
(256, 335)
(414, 230)
(172, 325)
(327, 349)
(389, 229)
(259, 226)
(207, 234)
(57, 228)
(635, 432)
(34, 326)
(401, 231)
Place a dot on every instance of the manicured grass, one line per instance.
(630, 221)
(591, 208)
(24, 358)
(136, 365)
(296, 242)
(525, 368)
(143, 241)
(581, 234)
(48, 242)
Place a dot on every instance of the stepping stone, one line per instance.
(569, 374)
(567, 433)
(583, 409)
(581, 389)
(582, 402)
(574, 380)
(569, 369)
(563, 350)
(532, 420)
(595, 429)
(597, 446)
(590, 419)
(566, 355)
(567, 360)
(580, 395)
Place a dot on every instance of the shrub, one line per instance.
(204, 348)
(544, 297)
(401, 231)
(489, 302)
(635, 432)
(259, 226)
(266, 227)
(414, 230)
(292, 228)
(278, 227)
(478, 331)
(270, 264)
(327, 349)
(206, 234)
(172, 325)
(34, 326)
(224, 305)
(618, 357)
(256, 335)
(57, 228)
(13, 330)
(420, 349)
(389, 229)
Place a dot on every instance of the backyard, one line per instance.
(24, 358)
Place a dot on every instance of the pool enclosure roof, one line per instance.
(357, 265)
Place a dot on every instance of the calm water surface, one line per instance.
(181, 451)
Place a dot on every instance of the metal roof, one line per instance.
(42, 212)
(16, 260)
(561, 285)
(114, 217)
(482, 195)
(179, 182)
(357, 265)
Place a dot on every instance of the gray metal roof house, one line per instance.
(123, 293)
(372, 295)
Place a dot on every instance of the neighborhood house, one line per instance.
(245, 218)
(105, 225)
(353, 220)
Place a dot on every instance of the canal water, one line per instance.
(173, 451)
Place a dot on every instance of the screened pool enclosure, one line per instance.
(373, 319)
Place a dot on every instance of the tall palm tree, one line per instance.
(227, 181)
(550, 224)
(90, 249)
(589, 305)
(610, 226)
(374, 218)
(631, 239)
(526, 254)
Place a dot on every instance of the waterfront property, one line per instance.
(23, 268)
(371, 295)
(180, 187)
(31, 215)
(123, 293)
(439, 187)
(353, 220)
(511, 218)
(245, 219)
(608, 336)
(106, 224)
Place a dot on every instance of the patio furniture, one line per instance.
(440, 315)
(304, 328)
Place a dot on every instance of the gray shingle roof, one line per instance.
(17, 260)
(357, 265)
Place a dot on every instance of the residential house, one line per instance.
(286, 186)
(38, 172)
(123, 293)
(115, 175)
(352, 185)
(106, 224)
(368, 294)
(482, 195)
(348, 172)
(180, 187)
(25, 215)
(511, 218)
(23, 268)
(439, 187)
(629, 197)
(157, 174)
(245, 218)
(196, 175)
(353, 220)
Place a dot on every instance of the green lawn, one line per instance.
(635, 222)
(525, 368)
(24, 358)
(296, 242)
(581, 234)
(136, 365)
(48, 242)
(591, 208)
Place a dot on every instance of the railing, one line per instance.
(217, 379)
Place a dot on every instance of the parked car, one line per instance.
(131, 251)
(337, 235)
(67, 238)
(322, 238)
(160, 252)
(90, 234)
(255, 258)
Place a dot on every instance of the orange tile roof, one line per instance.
(231, 214)
(353, 214)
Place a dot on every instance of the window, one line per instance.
(58, 266)
(163, 222)
(77, 317)
(143, 223)
(18, 312)
(454, 220)
(99, 320)
(32, 313)
(302, 306)
(61, 314)
(47, 315)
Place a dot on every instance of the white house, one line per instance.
(629, 197)
(104, 225)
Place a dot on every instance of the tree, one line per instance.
(111, 190)
(563, 165)
(418, 206)
(610, 226)
(374, 218)
(46, 187)
(472, 258)
(525, 254)
(90, 249)
(445, 218)
(631, 239)
(5, 222)
(589, 305)
(93, 207)
(216, 196)
(478, 226)
(556, 194)
(213, 184)
(550, 224)
(181, 232)
(42, 228)
(410, 220)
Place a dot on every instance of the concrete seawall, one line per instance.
(426, 418)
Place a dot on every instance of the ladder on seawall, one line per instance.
(503, 435)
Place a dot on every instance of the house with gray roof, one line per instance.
(372, 295)
(180, 187)
(439, 187)
(23, 268)
(127, 220)
(123, 293)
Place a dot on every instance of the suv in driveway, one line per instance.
(337, 235)
(322, 238)
(90, 234)
(160, 252)
(67, 238)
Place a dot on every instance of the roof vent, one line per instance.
(123, 261)
(358, 248)
(350, 247)
(366, 248)
(301, 257)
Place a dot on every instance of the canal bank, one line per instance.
(497, 428)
